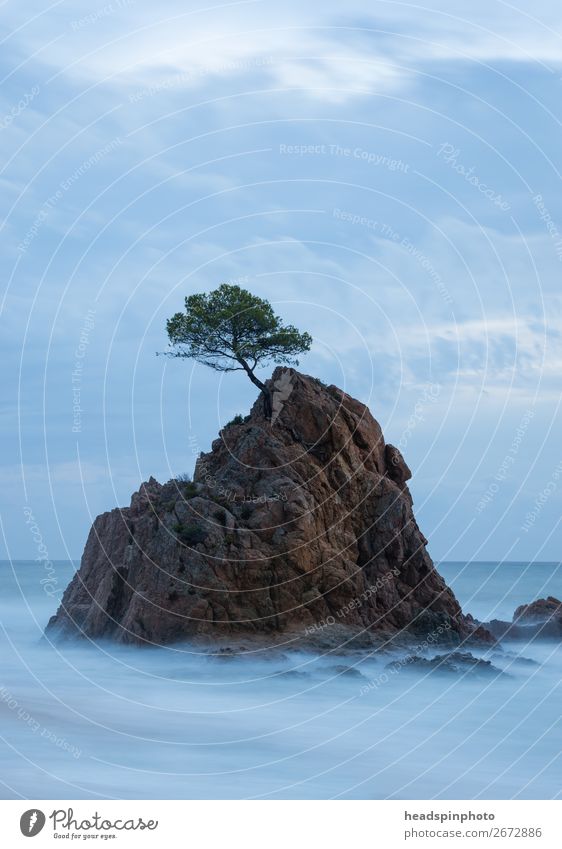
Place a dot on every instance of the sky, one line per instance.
(385, 173)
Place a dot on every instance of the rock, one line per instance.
(347, 671)
(460, 663)
(511, 659)
(506, 630)
(296, 532)
(542, 610)
(542, 619)
(398, 471)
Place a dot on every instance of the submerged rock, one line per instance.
(509, 658)
(456, 662)
(347, 671)
(296, 531)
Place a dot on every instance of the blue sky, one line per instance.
(386, 174)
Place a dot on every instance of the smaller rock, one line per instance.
(511, 658)
(396, 467)
(541, 619)
(456, 662)
(503, 630)
(347, 671)
(542, 610)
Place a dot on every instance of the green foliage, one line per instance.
(230, 329)
(335, 393)
(190, 534)
(184, 478)
(320, 382)
(189, 490)
(237, 420)
(220, 516)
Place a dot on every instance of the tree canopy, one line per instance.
(230, 329)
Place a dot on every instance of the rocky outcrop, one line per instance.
(542, 619)
(292, 531)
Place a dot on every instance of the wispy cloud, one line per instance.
(317, 50)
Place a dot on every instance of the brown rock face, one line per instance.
(295, 530)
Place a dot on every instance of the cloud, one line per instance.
(174, 49)
(198, 193)
(322, 51)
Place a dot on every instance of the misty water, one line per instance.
(103, 721)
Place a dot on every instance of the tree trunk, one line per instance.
(267, 402)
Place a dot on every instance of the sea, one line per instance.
(102, 721)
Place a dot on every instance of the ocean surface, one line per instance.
(111, 722)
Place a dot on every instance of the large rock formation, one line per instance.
(299, 529)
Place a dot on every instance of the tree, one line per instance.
(232, 330)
